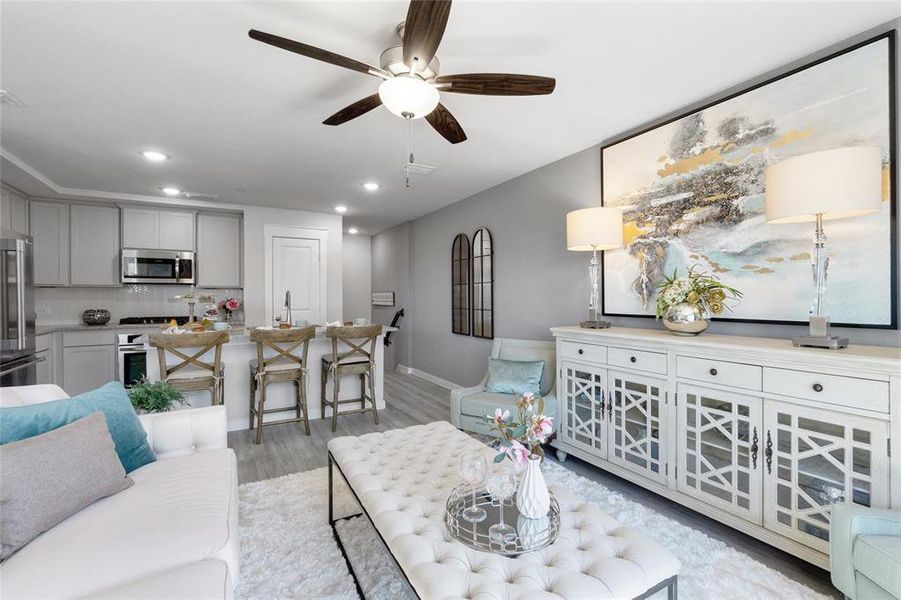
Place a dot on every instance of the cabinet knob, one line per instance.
(818, 387)
(633, 359)
(713, 372)
(581, 351)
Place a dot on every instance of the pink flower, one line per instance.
(232, 304)
(500, 416)
(542, 426)
(517, 453)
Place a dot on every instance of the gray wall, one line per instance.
(538, 284)
(357, 276)
(391, 273)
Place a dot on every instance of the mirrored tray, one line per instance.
(531, 534)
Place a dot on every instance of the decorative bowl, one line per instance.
(95, 316)
(685, 318)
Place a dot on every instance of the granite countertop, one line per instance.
(56, 327)
(240, 334)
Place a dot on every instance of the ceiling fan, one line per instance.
(411, 83)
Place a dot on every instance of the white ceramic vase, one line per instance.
(533, 499)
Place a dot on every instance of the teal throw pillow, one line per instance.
(21, 422)
(514, 376)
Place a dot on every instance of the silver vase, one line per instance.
(685, 318)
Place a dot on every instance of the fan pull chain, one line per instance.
(408, 149)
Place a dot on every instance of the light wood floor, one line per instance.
(410, 401)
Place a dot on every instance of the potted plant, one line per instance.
(686, 303)
(155, 396)
(520, 440)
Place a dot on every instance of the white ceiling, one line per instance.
(103, 80)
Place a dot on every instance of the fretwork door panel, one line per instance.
(584, 422)
(720, 458)
(636, 414)
(815, 458)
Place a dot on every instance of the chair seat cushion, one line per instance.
(190, 373)
(327, 360)
(204, 580)
(179, 511)
(282, 365)
(879, 558)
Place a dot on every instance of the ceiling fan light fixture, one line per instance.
(405, 95)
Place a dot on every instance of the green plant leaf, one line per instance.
(499, 458)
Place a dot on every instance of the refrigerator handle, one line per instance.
(30, 363)
(20, 292)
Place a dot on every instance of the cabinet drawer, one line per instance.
(88, 338)
(655, 362)
(866, 394)
(589, 352)
(740, 375)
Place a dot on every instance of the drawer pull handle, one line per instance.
(581, 351)
(633, 359)
(818, 387)
(713, 372)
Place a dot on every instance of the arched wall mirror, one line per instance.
(460, 285)
(482, 285)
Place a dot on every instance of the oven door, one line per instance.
(132, 366)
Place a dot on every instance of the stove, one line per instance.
(152, 320)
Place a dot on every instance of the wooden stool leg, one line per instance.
(375, 411)
(336, 390)
(362, 391)
(302, 392)
(324, 381)
(260, 408)
(252, 398)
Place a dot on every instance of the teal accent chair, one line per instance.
(865, 552)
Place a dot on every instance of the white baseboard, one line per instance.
(448, 385)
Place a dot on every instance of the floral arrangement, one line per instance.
(230, 305)
(696, 287)
(520, 437)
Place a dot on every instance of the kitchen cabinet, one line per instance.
(157, 229)
(94, 235)
(13, 210)
(89, 360)
(759, 435)
(50, 229)
(218, 250)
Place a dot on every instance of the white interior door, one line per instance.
(296, 267)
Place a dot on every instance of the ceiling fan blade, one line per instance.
(360, 107)
(496, 84)
(444, 123)
(317, 53)
(423, 30)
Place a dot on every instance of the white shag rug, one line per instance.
(288, 551)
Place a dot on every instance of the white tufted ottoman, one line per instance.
(402, 479)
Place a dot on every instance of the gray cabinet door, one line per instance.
(13, 210)
(88, 367)
(95, 245)
(140, 228)
(176, 230)
(50, 230)
(218, 250)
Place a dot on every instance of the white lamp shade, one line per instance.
(406, 94)
(839, 183)
(598, 228)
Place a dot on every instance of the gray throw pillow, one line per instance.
(49, 477)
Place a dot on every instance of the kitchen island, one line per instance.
(236, 356)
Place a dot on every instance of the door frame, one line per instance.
(273, 231)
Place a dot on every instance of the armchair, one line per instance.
(865, 552)
(470, 405)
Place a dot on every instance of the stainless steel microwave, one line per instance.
(157, 266)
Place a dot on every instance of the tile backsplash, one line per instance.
(61, 305)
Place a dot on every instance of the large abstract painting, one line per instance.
(692, 192)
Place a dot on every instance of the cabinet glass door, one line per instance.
(814, 459)
(720, 454)
(636, 415)
(583, 408)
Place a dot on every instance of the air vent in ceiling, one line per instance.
(201, 196)
(7, 99)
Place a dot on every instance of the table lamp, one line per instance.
(821, 186)
(598, 228)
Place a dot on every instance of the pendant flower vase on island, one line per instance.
(519, 439)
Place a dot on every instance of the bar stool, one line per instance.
(193, 374)
(355, 361)
(284, 366)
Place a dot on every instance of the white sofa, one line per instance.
(173, 534)
(470, 405)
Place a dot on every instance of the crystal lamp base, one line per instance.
(833, 342)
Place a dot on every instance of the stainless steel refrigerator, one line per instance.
(18, 362)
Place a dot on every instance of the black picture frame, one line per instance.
(483, 326)
(461, 285)
(893, 174)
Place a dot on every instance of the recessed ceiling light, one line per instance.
(341, 209)
(371, 186)
(353, 230)
(154, 155)
(171, 191)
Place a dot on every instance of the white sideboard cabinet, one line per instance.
(753, 432)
